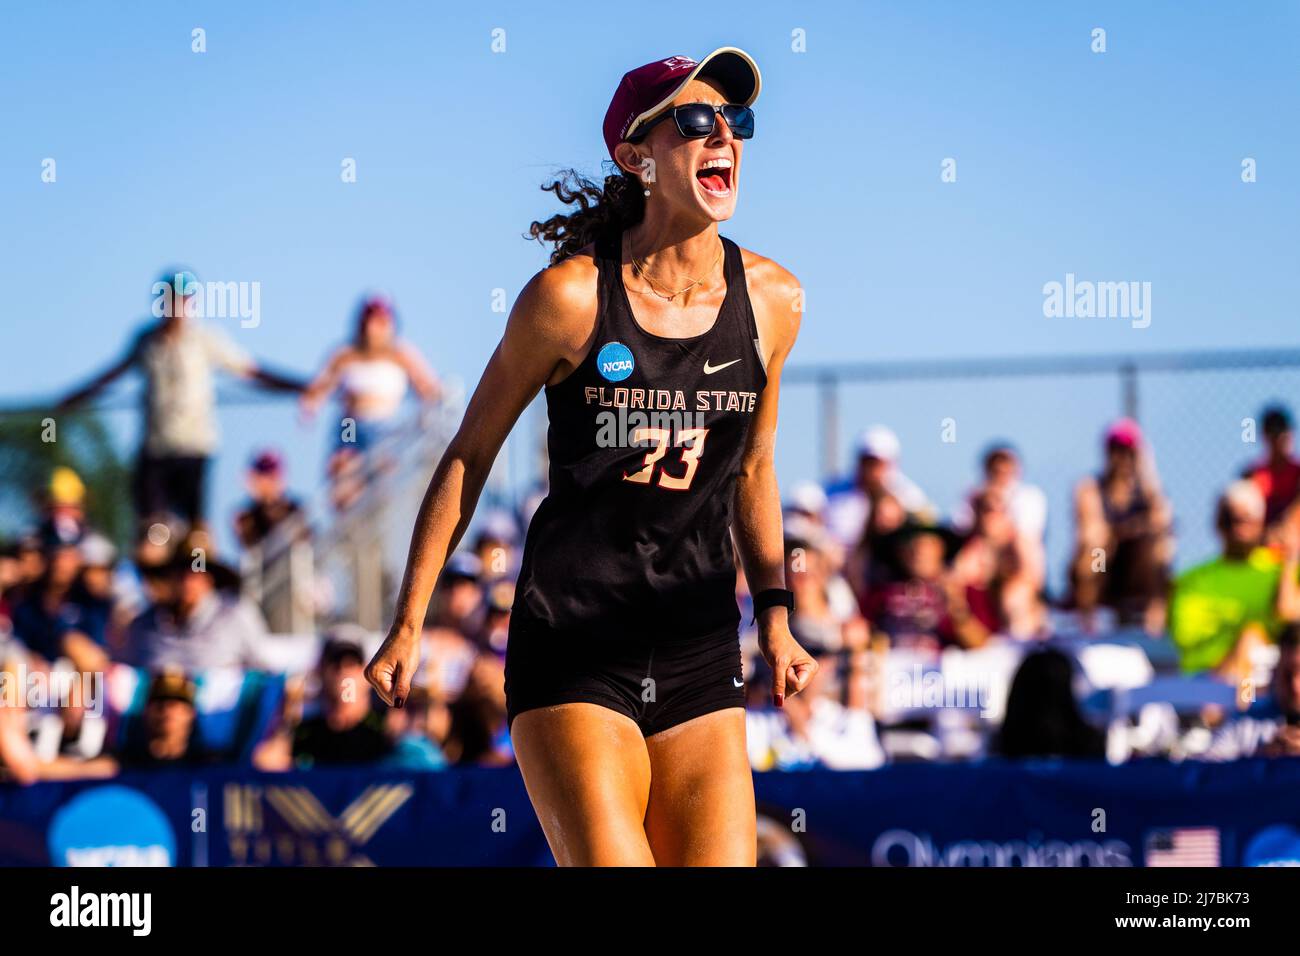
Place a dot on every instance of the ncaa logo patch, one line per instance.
(614, 361)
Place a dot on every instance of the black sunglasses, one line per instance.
(696, 120)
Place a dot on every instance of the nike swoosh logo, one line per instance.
(710, 369)
(737, 683)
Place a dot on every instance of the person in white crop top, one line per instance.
(371, 376)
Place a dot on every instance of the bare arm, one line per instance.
(502, 394)
(757, 527)
(275, 381)
(423, 380)
(235, 361)
(320, 387)
(99, 382)
(548, 332)
(758, 498)
(966, 628)
(1288, 589)
(1090, 526)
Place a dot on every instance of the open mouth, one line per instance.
(715, 177)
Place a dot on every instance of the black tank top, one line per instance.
(645, 441)
(1137, 506)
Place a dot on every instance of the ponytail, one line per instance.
(620, 203)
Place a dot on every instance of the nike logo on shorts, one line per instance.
(734, 682)
(710, 369)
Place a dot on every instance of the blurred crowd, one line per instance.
(156, 656)
(879, 576)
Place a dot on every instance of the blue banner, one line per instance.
(987, 814)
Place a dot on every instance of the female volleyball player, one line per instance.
(660, 346)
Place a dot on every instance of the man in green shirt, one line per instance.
(1221, 608)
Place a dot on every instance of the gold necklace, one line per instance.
(639, 269)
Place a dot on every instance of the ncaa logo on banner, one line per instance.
(615, 362)
(111, 826)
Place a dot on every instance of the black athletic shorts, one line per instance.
(659, 686)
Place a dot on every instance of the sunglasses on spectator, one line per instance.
(696, 120)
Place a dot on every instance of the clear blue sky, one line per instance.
(1116, 166)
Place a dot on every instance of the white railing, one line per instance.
(344, 566)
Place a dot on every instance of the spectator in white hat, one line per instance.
(850, 502)
(807, 499)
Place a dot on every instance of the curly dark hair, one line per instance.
(601, 210)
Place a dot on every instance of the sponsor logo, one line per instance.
(111, 826)
(710, 369)
(737, 682)
(289, 825)
(1273, 846)
(614, 361)
(904, 848)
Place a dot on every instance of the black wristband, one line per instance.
(773, 597)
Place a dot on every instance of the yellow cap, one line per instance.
(66, 488)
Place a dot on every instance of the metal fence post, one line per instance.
(828, 435)
(302, 587)
(1128, 385)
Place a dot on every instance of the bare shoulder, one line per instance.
(553, 323)
(559, 304)
(343, 355)
(777, 298)
(409, 354)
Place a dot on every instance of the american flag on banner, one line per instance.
(1183, 846)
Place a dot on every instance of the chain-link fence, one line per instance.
(1196, 411)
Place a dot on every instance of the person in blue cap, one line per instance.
(177, 356)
